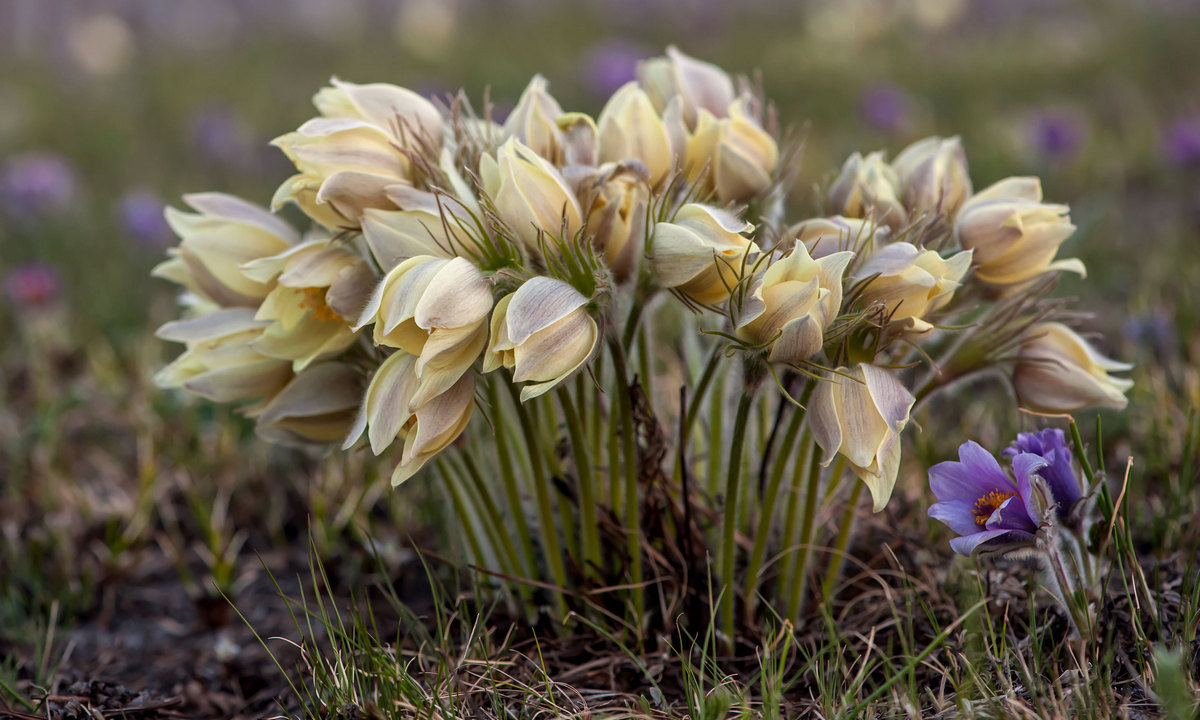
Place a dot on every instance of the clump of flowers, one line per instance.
(584, 328)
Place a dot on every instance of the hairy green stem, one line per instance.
(838, 559)
(730, 513)
(589, 530)
(508, 476)
(633, 523)
(799, 574)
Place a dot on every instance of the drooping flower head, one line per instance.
(1051, 445)
(981, 503)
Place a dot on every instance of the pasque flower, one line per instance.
(911, 283)
(1059, 473)
(630, 129)
(738, 154)
(697, 84)
(1057, 371)
(701, 252)
(530, 195)
(977, 500)
(933, 176)
(868, 186)
(827, 235)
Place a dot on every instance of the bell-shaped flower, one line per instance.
(631, 129)
(436, 310)
(828, 235)
(224, 233)
(859, 413)
(1050, 444)
(933, 177)
(1057, 371)
(529, 194)
(739, 155)
(388, 412)
(534, 121)
(1014, 234)
(701, 253)
(427, 224)
(543, 332)
(911, 284)
(221, 362)
(318, 406)
(616, 220)
(319, 288)
(868, 186)
(698, 85)
(977, 500)
(793, 303)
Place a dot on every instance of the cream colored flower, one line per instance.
(220, 362)
(543, 332)
(738, 154)
(868, 186)
(388, 413)
(1014, 234)
(698, 85)
(534, 121)
(933, 176)
(793, 303)
(825, 236)
(529, 194)
(318, 406)
(701, 253)
(911, 284)
(617, 217)
(861, 417)
(428, 224)
(1060, 372)
(226, 232)
(435, 310)
(631, 129)
(319, 288)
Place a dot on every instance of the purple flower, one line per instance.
(32, 287)
(142, 218)
(1055, 135)
(977, 500)
(222, 138)
(36, 183)
(610, 64)
(885, 107)
(1051, 445)
(1181, 143)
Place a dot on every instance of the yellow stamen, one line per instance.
(986, 505)
(314, 301)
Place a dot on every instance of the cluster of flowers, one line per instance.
(467, 246)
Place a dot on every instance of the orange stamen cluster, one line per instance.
(314, 302)
(986, 505)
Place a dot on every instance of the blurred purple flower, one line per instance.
(1051, 445)
(1055, 135)
(141, 215)
(32, 287)
(36, 183)
(220, 137)
(1181, 142)
(885, 107)
(610, 64)
(1154, 331)
(982, 504)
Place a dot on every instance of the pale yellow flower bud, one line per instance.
(543, 332)
(428, 224)
(226, 232)
(580, 139)
(793, 304)
(220, 362)
(701, 253)
(617, 217)
(407, 116)
(1014, 234)
(868, 186)
(738, 154)
(933, 177)
(825, 236)
(860, 413)
(1060, 372)
(631, 129)
(318, 406)
(534, 121)
(699, 85)
(436, 310)
(529, 194)
(910, 283)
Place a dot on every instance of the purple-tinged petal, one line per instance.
(1024, 466)
(977, 474)
(957, 515)
(1012, 515)
(968, 543)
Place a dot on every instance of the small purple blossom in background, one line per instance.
(141, 217)
(885, 107)
(1181, 142)
(1055, 135)
(1059, 473)
(977, 500)
(32, 287)
(1154, 331)
(35, 184)
(610, 64)
(222, 138)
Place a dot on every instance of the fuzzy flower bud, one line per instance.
(738, 153)
(1060, 372)
(910, 283)
(859, 413)
(1014, 234)
(933, 176)
(617, 217)
(698, 85)
(868, 186)
(530, 194)
(534, 121)
(701, 253)
(543, 332)
(631, 129)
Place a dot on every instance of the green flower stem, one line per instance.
(633, 523)
(589, 529)
(553, 551)
(767, 514)
(467, 518)
(716, 429)
(838, 559)
(799, 575)
(696, 400)
(730, 513)
(513, 565)
(791, 515)
(508, 475)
